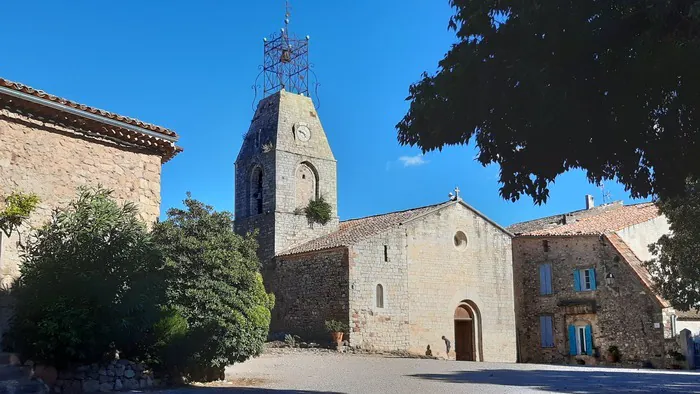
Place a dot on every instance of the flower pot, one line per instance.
(337, 337)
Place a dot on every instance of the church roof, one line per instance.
(354, 230)
(50, 108)
(594, 221)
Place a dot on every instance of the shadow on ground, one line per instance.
(241, 390)
(577, 381)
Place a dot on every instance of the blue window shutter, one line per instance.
(577, 280)
(589, 341)
(549, 337)
(572, 340)
(548, 277)
(543, 331)
(543, 281)
(592, 273)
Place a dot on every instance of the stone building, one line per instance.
(581, 286)
(50, 146)
(400, 280)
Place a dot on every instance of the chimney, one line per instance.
(589, 201)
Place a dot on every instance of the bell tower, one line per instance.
(285, 160)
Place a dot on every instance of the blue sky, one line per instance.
(190, 65)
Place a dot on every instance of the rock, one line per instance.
(131, 384)
(65, 375)
(118, 384)
(102, 371)
(93, 374)
(56, 389)
(129, 373)
(80, 375)
(149, 381)
(123, 362)
(142, 383)
(29, 363)
(110, 372)
(91, 386)
(82, 368)
(46, 373)
(106, 379)
(14, 360)
(106, 387)
(119, 370)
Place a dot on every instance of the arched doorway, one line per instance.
(465, 338)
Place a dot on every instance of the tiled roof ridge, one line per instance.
(20, 87)
(597, 209)
(349, 229)
(636, 264)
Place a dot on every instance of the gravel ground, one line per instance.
(303, 371)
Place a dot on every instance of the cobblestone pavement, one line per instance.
(323, 372)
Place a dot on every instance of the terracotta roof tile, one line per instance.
(636, 264)
(688, 315)
(596, 221)
(355, 230)
(163, 146)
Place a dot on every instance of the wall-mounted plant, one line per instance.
(318, 211)
(268, 147)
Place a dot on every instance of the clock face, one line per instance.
(303, 132)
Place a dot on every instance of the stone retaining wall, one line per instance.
(118, 375)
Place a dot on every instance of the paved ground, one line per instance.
(306, 372)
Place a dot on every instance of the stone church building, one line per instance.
(400, 280)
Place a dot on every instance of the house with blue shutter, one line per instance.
(581, 287)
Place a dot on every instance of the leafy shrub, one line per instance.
(336, 326)
(91, 282)
(318, 211)
(291, 340)
(15, 209)
(216, 287)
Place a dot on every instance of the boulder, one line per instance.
(129, 373)
(46, 373)
(91, 386)
(106, 387)
(118, 384)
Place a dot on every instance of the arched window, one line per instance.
(380, 296)
(306, 180)
(256, 191)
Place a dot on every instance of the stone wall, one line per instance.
(53, 162)
(625, 315)
(441, 276)
(118, 375)
(373, 327)
(309, 289)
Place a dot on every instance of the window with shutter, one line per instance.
(584, 280)
(546, 331)
(545, 279)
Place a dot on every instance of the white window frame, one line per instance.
(581, 344)
(586, 280)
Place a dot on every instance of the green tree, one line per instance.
(91, 282)
(610, 87)
(216, 287)
(676, 263)
(16, 209)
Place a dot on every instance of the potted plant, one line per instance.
(337, 329)
(614, 354)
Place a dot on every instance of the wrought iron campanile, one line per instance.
(286, 63)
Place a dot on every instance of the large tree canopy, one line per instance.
(611, 87)
(676, 263)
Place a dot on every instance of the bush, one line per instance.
(336, 326)
(217, 289)
(91, 282)
(318, 211)
(15, 209)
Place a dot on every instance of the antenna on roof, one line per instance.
(605, 193)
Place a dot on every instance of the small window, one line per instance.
(545, 279)
(386, 253)
(584, 280)
(460, 240)
(545, 245)
(546, 331)
(380, 296)
(674, 331)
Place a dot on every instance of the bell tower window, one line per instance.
(306, 184)
(256, 191)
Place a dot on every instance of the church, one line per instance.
(400, 281)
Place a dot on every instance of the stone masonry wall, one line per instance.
(309, 289)
(372, 327)
(50, 161)
(625, 315)
(441, 276)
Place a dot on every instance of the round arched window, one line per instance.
(460, 240)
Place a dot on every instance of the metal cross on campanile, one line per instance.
(457, 192)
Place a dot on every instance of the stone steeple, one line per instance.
(284, 162)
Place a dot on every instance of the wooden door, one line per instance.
(464, 340)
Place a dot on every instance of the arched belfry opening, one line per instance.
(468, 337)
(306, 180)
(256, 191)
